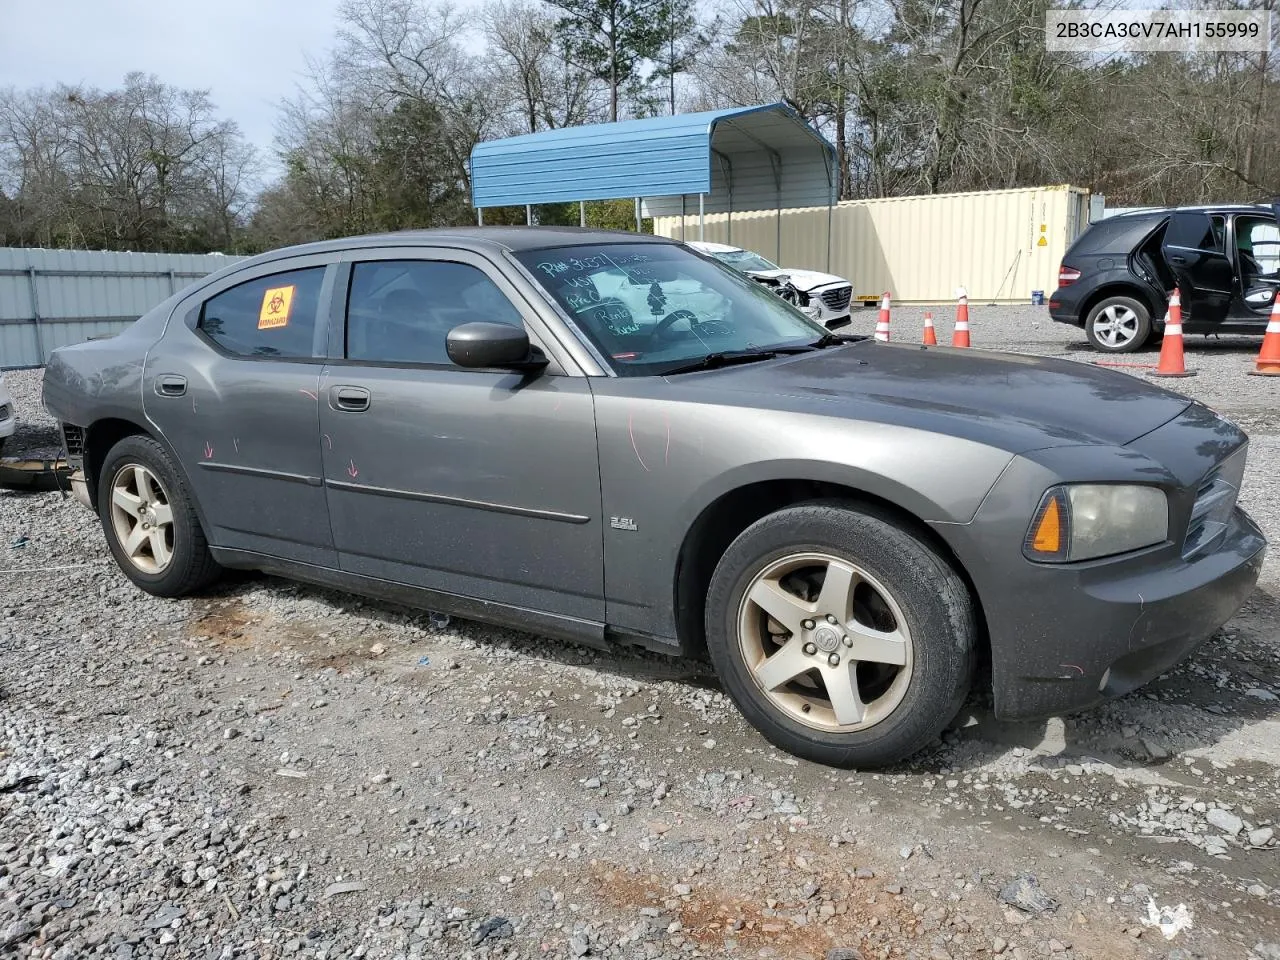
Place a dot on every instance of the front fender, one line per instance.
(662, 464)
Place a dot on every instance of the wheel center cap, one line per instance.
(827, 639)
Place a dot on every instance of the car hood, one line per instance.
(805, 280)
(1011, 401)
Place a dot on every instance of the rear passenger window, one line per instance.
(1197, 231)
(272, 316)
(401, 311)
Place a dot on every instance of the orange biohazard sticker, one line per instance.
(276, 304)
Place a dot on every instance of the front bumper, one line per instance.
(1064, 636)
(830, 304)
(1108, 636)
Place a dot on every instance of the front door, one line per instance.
(477, 483)
(232, 386)
(1257, 250)
(1195, 249)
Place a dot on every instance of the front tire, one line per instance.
(150, 521)
(1118, 325)
(840, 634)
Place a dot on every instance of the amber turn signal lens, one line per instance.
(1047, 539)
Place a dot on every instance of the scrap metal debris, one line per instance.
(1170, 921)
(495, 928)
(350, 886)
(34, 474)
(21, 783)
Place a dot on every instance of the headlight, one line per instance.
(1087, 520)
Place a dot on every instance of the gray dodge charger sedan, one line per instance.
(611, 439)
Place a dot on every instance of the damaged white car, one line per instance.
(822, 296)
(8, 421)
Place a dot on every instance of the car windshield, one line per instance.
(654, 307)
(745, 260)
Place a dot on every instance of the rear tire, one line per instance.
(1118, 324)
(150, 521)
(863, 674)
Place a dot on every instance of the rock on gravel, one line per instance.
(1225, 821)
(1026, 894)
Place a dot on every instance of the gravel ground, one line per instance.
(278, 771)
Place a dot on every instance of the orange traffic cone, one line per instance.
(1171, 362)
(930, 338)
(960, 338)
(1268, 362)
(882, 324)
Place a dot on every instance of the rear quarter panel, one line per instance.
(101, 379)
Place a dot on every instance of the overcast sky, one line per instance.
(249, 54)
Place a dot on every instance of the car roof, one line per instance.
(1206, 207)
(514, 239)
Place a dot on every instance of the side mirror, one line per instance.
(493, 345)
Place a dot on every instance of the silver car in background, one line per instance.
(8, 415)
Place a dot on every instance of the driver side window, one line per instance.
(1258, 245)
(401, 311)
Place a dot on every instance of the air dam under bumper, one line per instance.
(1111, 634)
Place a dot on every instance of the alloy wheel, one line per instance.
(142, 518)
(1116, 325)
(826, 642)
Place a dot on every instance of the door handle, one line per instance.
(1173, 259)
(171, 385)
(349, 399)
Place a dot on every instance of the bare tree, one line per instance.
(125, 168)
(532, 71)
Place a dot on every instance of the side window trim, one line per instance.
(335, 347)
(538, 335)
(1218, 230)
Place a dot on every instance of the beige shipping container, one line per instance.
(1000, 245)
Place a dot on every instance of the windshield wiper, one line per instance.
(828, 340)
(728, 358)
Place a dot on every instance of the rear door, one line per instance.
(232, 387)
(1195, 249)
(478, 483)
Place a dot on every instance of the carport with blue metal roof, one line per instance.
(735, 160)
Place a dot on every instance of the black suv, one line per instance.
(1116, 278)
